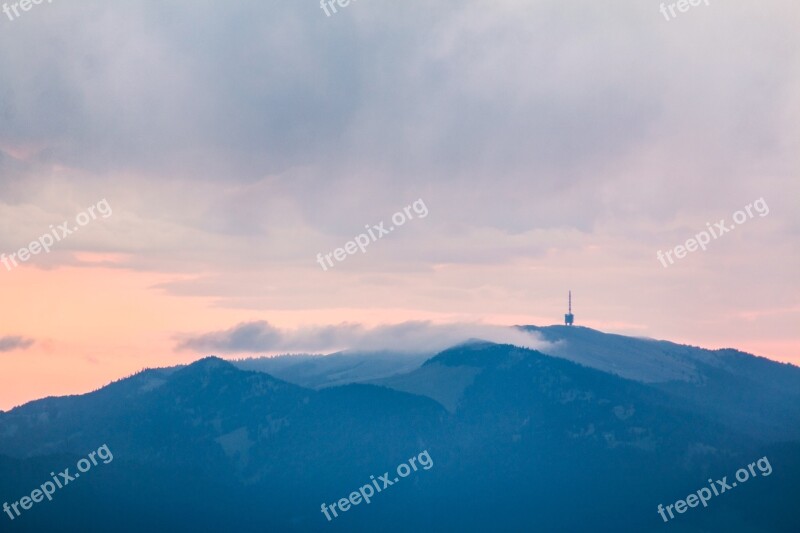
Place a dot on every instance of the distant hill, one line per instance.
(759, 396)
(341, 368)
(520, 441)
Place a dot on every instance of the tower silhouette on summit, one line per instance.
(569, 318)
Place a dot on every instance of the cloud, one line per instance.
(525, 126)
(558, 145)
(406, 337)
(11, 343)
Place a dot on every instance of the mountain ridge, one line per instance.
(521, 430)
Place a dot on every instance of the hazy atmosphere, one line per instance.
(356, 266)
(234, 144)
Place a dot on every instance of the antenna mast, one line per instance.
(569, 318)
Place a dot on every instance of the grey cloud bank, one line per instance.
(14, 342)
(242, 141)
(411, 337)
(319, 122)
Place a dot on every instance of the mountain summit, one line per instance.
(613, 424)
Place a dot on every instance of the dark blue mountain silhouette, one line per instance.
(520, 441)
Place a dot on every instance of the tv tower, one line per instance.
(569, 318)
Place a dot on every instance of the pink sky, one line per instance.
(555, 147)
(87, 338)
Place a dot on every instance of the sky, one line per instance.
(207, 158)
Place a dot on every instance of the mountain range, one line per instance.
(590, 433)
